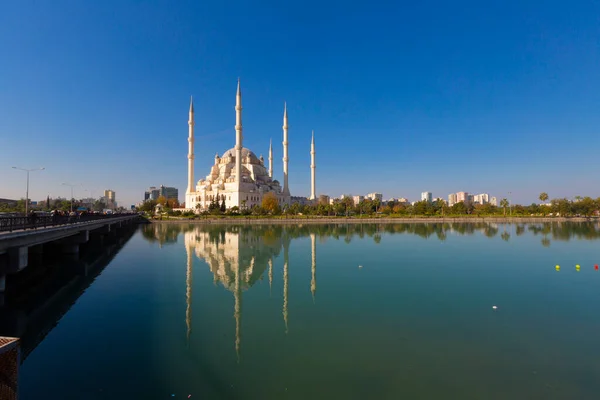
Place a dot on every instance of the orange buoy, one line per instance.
(596, 267)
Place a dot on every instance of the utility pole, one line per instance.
(27, 190)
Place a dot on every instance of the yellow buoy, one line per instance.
(577, 267)
(558, 267)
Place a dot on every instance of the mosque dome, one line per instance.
(245, 153)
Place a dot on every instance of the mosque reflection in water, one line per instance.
(240, 255)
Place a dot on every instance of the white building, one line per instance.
(482, 198)
(452, 199)
(462, 196)
(375, 196)
(494, 201)
(357, 199)
(427, 196)
(239, 177)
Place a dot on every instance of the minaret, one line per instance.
(285, 284)
(191, 187)
(238, 136)
(271, 158)
(286, 189)
(313, 166)
(313, 269)
(188, 294)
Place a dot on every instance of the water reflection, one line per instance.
(237, 257)
(43, 294)
(240, 255)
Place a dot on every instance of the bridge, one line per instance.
(22, 237)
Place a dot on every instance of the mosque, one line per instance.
(238, 177)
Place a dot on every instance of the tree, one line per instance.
(162, 200)
(223, 208)
(270, 203)
(504, 203)
(543, 197)
(172, 203)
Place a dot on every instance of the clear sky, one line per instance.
(404, 97)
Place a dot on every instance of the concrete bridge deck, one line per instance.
(16, 246)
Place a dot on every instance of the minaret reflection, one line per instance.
(313, 269)
(188, 294)
(237, 257)
(270, 276)
(286, 247)
(238, 311)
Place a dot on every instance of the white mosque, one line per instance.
(238, 177)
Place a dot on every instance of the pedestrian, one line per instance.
(32, 218)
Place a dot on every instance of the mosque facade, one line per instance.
(238, 177)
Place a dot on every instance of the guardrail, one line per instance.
(9, 224)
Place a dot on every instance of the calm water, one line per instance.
(323, 312)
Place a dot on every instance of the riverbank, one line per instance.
(341, 220)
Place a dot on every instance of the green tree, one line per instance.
(223, 208)
(543, 197)
(504, 203)
(270, 203)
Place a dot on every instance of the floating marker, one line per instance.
(577, 267)
(558, 267)
(360, 266)
(495, 307)
(596, 267)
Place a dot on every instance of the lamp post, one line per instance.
(27, 191)
(510, 203)
(72, 186)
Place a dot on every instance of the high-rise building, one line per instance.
(168, 192)
(357, 199)
(110, 198)
(375, 196)
(427, 196)
(452, 199)
(482, 198)
(494, 201)
(462, 196)
(152, 193)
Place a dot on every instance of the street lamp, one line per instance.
(72, 186)
(27, 192)
(510, 203)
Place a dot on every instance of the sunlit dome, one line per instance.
(245, 153)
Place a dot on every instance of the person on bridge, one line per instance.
(32, 218)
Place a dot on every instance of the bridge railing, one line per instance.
(9, 224)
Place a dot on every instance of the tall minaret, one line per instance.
(238, 136)
(286, 189)
(191, 187)
(271, 158)
(313, 165)
(313, 269)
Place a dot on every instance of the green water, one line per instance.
(340, 311)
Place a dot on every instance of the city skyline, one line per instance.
(402, 99)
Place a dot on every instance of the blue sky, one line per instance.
(497, 96)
